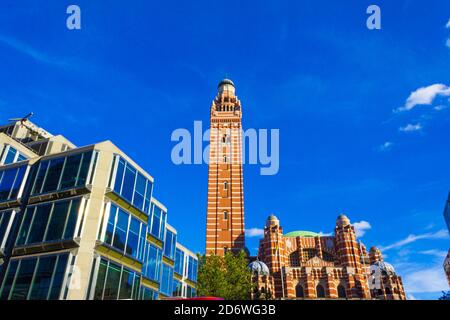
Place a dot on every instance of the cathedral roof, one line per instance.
(301, 233)
(259, 268)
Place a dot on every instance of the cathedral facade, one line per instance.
(307, 265)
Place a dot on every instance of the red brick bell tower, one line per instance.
(225, 212)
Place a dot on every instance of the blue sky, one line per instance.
(350, 141)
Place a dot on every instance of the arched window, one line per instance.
(225, 159)
(388, 290)
(320, 291)
(341, 291)
(224, 138)
(225, 185)
(225, 215)
(299, 293)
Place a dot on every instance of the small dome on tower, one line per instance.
(342, 220)
(272, 220)
(259, 268)
(226, 86)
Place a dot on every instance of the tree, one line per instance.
(227, 277)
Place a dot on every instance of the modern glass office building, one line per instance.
(82, 223)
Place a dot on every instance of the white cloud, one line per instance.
(434, 252)
(441, 234)
(385, 146)
(411, 127)
(425, 96)
(441, 106)
(448, 24)
(448, 43)
(30, 51)
(361, 227)
(254, 232)
(426, 280)
(323, 234)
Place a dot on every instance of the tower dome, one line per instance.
(226, 86)
(272, 220)
(259, 268)
(342, 220)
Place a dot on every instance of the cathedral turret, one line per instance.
(375, 255)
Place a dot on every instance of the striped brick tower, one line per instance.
(349, 253)
(225, 212)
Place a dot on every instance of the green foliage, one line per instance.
(227, 277)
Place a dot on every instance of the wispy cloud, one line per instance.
(448, 24)
(426, 280)
(441, 234)
(254, 232)
(411, 127)
(435, 253)
(385, 146)
(30, 51)
(361, 227)
(424, 96)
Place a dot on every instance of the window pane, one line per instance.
(23, 280)
(112, 282)
(100, 280)
(139, 192)
(58, 277)
(57, 221)
(156, 221)
(84, 169)
(42, 279)
(126, 285)
(133, 237)
(72, 219)
(119, 176)
(17, 183)
(53, 175)
(8, 279)
(39, 223)
(110, 226)
(128, 183)
(69, 177)
(10, 156)
(120, 235)
(26, 224)
(6, 183)
(40, 177)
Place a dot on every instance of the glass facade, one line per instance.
(192, 269)
(10, 182)
(165, 285)
(115, 282)
(179, 261)
(35, 278)
(157, 221)
(148, 294)
(177, 288)
(11, 155)
(6, 219)
(52, 201)
(152, 264)
(51, 221)
(131, 185)
(62, 173)
(170, 244)
(125, 232)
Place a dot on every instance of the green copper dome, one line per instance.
(301, 233)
